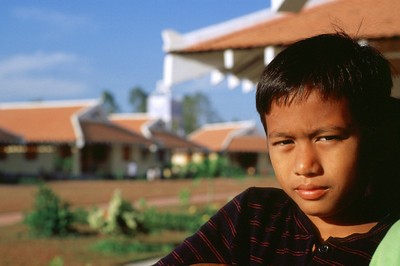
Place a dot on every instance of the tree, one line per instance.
(197, 110)
(138, 99)
(110, 105)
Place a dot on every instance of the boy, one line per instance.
(323, 103)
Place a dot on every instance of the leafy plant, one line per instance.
(189, 220)
(216, 165)
(56, 261)
(51, 216)
(80, 216)
(184, 197)
(119, 219)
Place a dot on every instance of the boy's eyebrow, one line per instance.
(334, 129)
(278, 135)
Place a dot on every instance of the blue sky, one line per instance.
(53, 50)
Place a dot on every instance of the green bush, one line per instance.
(50, 216)
(119, 219)
(184, 197)
(80, 216)
(189, 220)
(216, 166)
(56, 261)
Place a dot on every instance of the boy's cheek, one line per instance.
(279, 164)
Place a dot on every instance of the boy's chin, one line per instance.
(332, 215)
(318, 210)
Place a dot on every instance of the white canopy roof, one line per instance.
(239, 66)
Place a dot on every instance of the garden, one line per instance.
(101, 222)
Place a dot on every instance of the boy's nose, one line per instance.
(307, 162)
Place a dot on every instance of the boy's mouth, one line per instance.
(311, 192)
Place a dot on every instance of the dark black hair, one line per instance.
(335, 65)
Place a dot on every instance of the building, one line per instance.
(66, 139)
(240, 142)
(171, 149)
(161, 104)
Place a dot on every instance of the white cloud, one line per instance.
(40, 87)
(20, 64)
(49, 16)
(40, 75)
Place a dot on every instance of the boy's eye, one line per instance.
(283, 142)
(328, 138)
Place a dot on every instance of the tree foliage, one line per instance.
(109, 102)
(138, 99)
(197, 110)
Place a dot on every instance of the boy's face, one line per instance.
(314, 148)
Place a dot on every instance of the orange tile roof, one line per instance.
(7, 137)
(369, 19)
(37, 122)
(106, 132)
(216, 137)
(131, 122)
(173, 141)
(254, 143)
(136, 123)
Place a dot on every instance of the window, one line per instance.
(65, 151)
(126, 152)
(3, 154)
(31, 152)
(144, 152)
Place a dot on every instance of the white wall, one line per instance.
(119, 166)
(16, 163)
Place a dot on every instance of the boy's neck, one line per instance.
(357, 220)
(327, 229)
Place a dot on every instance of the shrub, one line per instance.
(216, 165)
(80, 216)
(189, 220)
(56, 261)
(51, 216)
(184, 197)
(119, 219)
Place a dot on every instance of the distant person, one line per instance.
(132, 170)
(153, 173)
(324, 104)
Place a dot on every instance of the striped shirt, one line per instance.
(263, 226)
